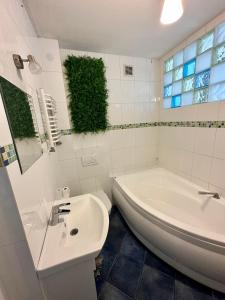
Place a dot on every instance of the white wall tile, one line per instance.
(114, 91)
(219, 148)
(122, 138)
(112, 64)
(128, 113)
(63, 119)
(128, 91)
(207, 111)
(53, 84)
(204, 140)
(201, 167)
(218, 173)
(115, 114)
(186, 161)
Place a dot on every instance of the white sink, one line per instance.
(61, 249)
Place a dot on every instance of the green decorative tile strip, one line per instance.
(135, 125)
(7, 155)
(66, 131)
(43, 137)
(206, 124)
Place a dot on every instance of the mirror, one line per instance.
(23, 124)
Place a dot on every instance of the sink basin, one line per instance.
(88, 222)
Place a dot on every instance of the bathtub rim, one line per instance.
(217, 240)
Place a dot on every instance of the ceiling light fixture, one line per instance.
(33, 65)
(172, 11)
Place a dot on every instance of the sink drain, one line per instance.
(74, 231)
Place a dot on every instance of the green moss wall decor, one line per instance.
(18, 110)
(87, 93)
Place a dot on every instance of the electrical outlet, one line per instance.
(89, 160)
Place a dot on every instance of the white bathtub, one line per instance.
(185, 229)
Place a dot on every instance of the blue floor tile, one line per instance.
(110, 292)
(188, 289)
(155, 262)
(218, 296)
(133, 248)
(124, 278)
(155, 285)
(114, 239)
(116, 220)
(108, 260)
(125, 275)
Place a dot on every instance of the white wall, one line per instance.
(34, 191)
(196, 153)
(131, 100)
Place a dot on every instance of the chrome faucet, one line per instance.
(215, 195)
(57, 212)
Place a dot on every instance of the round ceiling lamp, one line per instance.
(172, 11)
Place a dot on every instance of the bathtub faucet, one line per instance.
(215, 195)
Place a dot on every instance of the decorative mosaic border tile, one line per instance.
(204, 124)
(43, 138)
(7, 155)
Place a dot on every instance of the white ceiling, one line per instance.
(129, 27)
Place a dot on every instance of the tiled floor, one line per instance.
(131, 271)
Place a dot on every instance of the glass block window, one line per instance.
(219, 54)
(176, 101)
(167, 103)
(196, 74)
(178, 59)
(206, 42)
(178, 73)
(190, 52)
(202, 79)
(217, 73)
(220, 34)
(169, 65)
(168, 78)
(188, 84)
(189, 68)
(217, 92)
(168, 91)
(177, 88)
(187, 98)
(203, 61)
(201, 96)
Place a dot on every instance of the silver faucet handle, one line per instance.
(63, 211)
(63, 204)
(56, 208)
(214, 194)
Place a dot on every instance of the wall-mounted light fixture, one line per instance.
(172, 11)
(33, 65)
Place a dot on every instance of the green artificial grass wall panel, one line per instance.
(87, 93)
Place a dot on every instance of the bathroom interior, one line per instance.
(112, 150)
